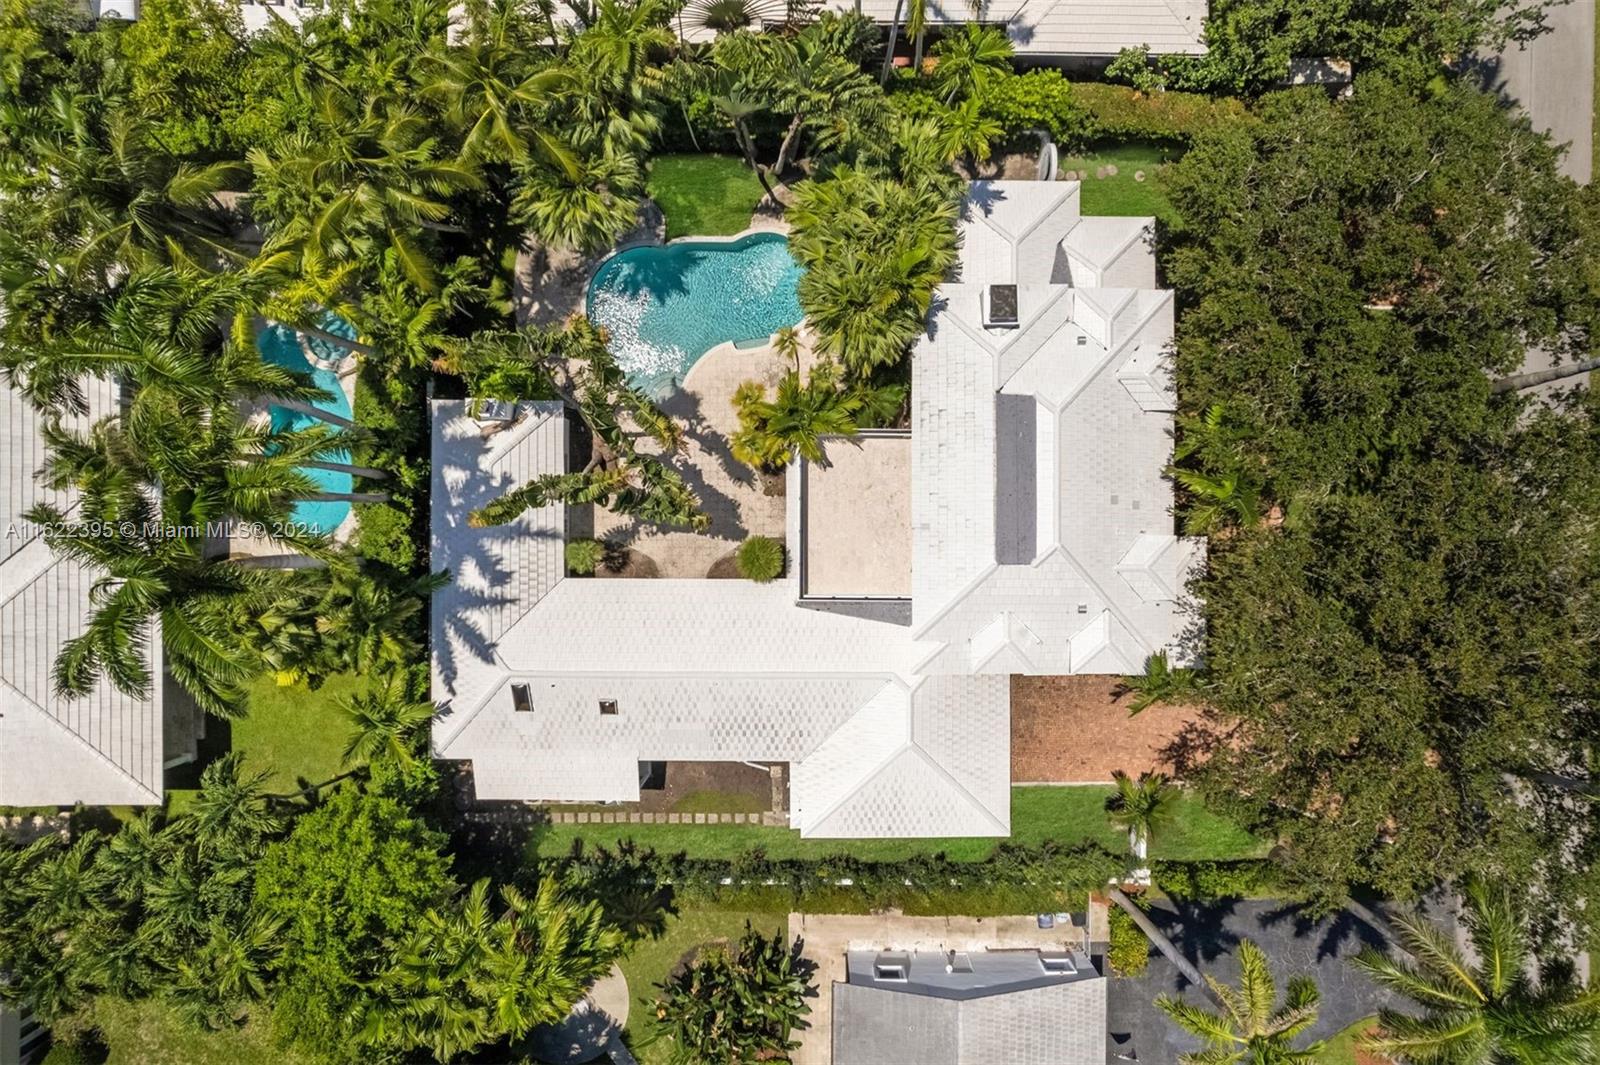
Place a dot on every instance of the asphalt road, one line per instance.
(1208, 934)
(1552, 77)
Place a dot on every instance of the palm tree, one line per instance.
(359, 187)
(970, 60)
(1249, 1028)
(738, 107)
(468, 977)
(494, 96)
(772, 432)
(122, 205)
(1141, 806)
(1488, 1010)
(966, 134)
(384, 722)
(231, 813)
(231, 969)
(1160, 683)
(372, 623)
(735, 1003)
(1225, 490)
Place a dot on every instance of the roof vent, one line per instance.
(1000, 307)
(521, 699)
(894, 968)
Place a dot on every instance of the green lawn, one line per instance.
(141, 1032)
(703, 195)
(652, 959)
(1122, 194)
(291, 733)
(1065, 814)
(1341, 1049)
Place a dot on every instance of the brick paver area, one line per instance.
(1075, 730)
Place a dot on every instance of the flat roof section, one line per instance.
(855, 518)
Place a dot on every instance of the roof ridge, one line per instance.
(1112, 606)
(871, 774)
(948, 776)
(91, 748)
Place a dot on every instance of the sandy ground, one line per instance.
(1075, 730)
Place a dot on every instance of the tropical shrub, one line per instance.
(383, 534)
(760, 559)
(1129, 950)
(735, 1003)
(584, 556)
(1188, 881)
(772, 433)
(356, 874)
(1039, 99)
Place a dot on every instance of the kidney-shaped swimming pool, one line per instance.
(664, 307)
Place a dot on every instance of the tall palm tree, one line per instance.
(123, 205)
(373, 623)
(360, 186)
(967, 134)
(1141, 807)
(385, 721)
(1487, 1011)
(1250, 1029)
(230, 970)
(1222, 480)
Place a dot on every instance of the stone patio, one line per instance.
(729, 491)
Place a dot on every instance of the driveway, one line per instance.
(1208, 934)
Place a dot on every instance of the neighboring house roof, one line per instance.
(1068, 27)
(997, 1006)
(104, 748)
(1041, 543)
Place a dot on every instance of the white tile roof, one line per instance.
(890, 730)
(104, 748)
(1070, 27)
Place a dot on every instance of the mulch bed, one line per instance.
(1077, 730)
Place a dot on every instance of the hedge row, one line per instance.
(1015, 878)
(1118, 112)
(389, 407)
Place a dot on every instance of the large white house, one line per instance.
(1023, 525)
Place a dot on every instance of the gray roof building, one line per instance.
(1020, 1007)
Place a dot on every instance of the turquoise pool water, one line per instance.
(281, 345)
(665, 307)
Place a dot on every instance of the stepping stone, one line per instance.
(1111, 169)
(1100, 172)
(1138, 175)
(699, 819)
(633, 818)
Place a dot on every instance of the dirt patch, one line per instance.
(1077, 730)
(626, 562)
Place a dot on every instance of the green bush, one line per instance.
(1129, 952)
(760, 559)
(585, 556)
(383, 534)
(1039, 99)
(1117, 112)
(83, 1046)
(1215, 880)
